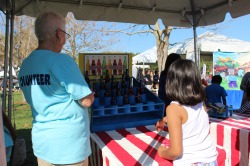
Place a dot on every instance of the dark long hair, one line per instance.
(170, 59)
(184, 83)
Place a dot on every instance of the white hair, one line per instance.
(47, 23)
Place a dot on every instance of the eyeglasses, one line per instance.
(67, 35)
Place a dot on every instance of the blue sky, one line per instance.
(235, 28)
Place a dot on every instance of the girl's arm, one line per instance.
(204, 106)
(160, 124)
(174, 119)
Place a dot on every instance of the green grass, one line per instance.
(22, 121)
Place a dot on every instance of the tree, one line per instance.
(88, 36)
(24, 38)
(162, 43)
(161, 37)
(2, 43)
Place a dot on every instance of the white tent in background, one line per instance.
(148, 56)
(210, 42)
(13, 73)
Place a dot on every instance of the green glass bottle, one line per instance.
(124, 64)
(107, 77)
(104, 66)
(87, 78)
(125, 97)
(107, 92)
(102, 83)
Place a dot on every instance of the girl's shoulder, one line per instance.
(178, 110)
(174, 106)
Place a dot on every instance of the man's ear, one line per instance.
(57, 34)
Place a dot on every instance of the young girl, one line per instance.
(188, 122)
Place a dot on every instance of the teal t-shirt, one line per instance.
(52, 84)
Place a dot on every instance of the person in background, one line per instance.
(244, 85)
(210, 79)
(148, 79)
(215, 93)
(139, 75)
(58, 95)
(204, 81)
(245, 108)
(187, 119)
(163, 77)
(155, 79)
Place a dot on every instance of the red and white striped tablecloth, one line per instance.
(234, 135)
(132, 147)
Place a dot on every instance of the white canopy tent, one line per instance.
(136, 68)
(207, 42)
(148, 56)
(171, 12)
(188, 13)
(13, 73)
(210, 42)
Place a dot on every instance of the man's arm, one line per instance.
(87, 100)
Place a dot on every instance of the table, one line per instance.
(132, 147)
(234, 135)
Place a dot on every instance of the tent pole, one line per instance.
(11, 60)
(143, 66)
(195, 46)
(6, 58)
(194, 24)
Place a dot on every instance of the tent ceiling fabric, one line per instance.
(139, 11)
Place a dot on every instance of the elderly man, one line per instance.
(58, 96)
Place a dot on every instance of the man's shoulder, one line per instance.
(209, 86)
(220, 87)
(223, 90)
(50, 53)
(214, 86)
(63, 57)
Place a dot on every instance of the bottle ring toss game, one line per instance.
(121, 101)
(105, 117)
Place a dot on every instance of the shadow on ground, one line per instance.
(30, 158)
